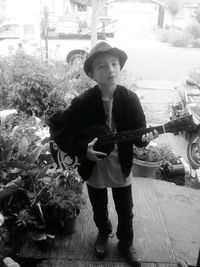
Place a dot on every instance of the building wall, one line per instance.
(134, 17)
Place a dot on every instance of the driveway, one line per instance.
(149, 59)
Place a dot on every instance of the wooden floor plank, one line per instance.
(103, 263)
(151, 240)
(181, 211)
(78, 263)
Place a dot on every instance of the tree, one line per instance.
(174, 7)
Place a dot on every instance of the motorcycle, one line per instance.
(189, 104)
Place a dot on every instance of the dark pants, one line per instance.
(123, 204)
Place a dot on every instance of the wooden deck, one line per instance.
(166, 227)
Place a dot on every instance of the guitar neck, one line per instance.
(129, 135)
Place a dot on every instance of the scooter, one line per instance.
(189, 93)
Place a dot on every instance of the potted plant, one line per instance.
(23, 160)
(61, 199)
(146, 160)
(29, 182)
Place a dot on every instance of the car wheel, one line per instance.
(193, 151)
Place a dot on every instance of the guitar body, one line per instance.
(98, 131)
(66, 160)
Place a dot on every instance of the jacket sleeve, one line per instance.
(64, 128)
(139, 119)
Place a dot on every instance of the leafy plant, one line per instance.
(30, 182)
(193, 30)
(180, 38)
(36, 88)
(174, 7)
(158, 153)
(63, 191)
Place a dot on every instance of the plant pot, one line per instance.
(69, 226)
(177, 170)
(57, 223)
(144, 168)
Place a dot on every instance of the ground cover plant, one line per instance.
(189, 36)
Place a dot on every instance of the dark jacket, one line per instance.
(87, 110)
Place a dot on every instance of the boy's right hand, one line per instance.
(93, 154)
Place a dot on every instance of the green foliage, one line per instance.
(29, 179)
(22, 149)
(63, 190)
(175, 37)
(173, 6)
(163, 35)
(193, 30)
(179, 38)
(196, 43)
(37, 88)
(155, 154)
(198, 14)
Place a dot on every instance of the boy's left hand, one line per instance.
(150, 136)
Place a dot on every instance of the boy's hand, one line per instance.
(150, 136)
(92, 154)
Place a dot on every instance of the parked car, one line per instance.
(67, 25)
(27, 35)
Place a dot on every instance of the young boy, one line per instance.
(119, 108)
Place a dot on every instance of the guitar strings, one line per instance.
(127, 135)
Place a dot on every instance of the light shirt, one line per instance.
(107, 172)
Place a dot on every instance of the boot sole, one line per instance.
(132, 263)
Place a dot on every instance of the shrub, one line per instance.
(196, 43)
(176, 37)
(193, 30)
(35, 87)
(163, 35)
(179, 38)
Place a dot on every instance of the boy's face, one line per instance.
(106, 69)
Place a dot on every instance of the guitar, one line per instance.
(106, 140)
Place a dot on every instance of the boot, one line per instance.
(101, 245)
(128, 252)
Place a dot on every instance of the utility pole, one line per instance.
(46, 31)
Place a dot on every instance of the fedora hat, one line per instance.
(99, 49)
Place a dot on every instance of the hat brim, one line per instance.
(114, 51)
